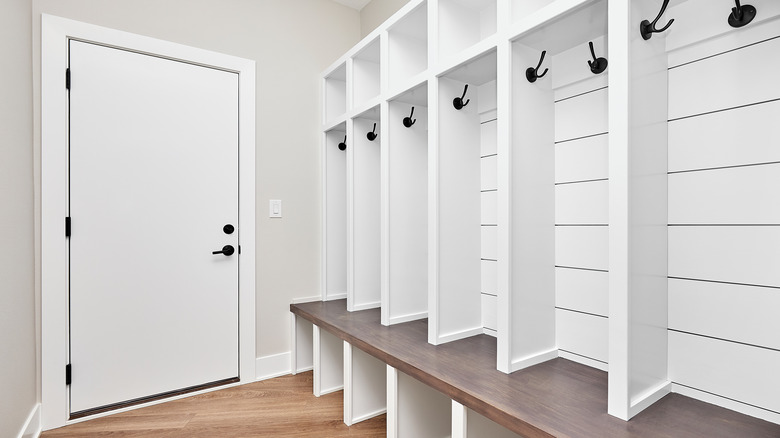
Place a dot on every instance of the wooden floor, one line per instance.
(280, 407)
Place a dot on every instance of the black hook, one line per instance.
(458, 102)
(599, 64)
(647, 29)
(371, 136)
(532, 74)
(408, 122)
(741, 15)
(343, 144)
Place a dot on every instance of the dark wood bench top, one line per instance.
(557, 398)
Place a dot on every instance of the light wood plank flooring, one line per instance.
(280, 407)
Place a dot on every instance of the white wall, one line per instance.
(17, 305)
(292, 42)
(376, 12)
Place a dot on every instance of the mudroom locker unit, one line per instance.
(582, 185)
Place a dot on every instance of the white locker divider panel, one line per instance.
(489, 204)
(365, 385)
(581, 160)
(584, 203)
(727, 369)
(489, 310)
(364, 262)
(733, 254)
(582, 334)
(328, 362)
(404, 296)
(689, 95)
(731, 312)
(464, 172)
(489, 274)
(335, 90)
(737, 195)
(583, 290)
(582, 247)
(366, 74)
(335, 205)
(710, 140)
(422, 412)
(303, 345)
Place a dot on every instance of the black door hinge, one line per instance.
(239, 249)
(67, 78)
(67, 374)
(67, 226)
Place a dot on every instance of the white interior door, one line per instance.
(153, 181)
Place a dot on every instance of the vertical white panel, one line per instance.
(586, 291)
(368, 390)
(489, 310)
(489, 277)
(304, 345)
(489, 243)
(582, 203)
(488, 171)
(335, 216)
(736, 371)
(489, 205)
(488, 138)
(328, 362)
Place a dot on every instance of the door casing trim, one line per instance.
(55, 33)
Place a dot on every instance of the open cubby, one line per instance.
(366, 74)
(466, 191)
(405, 293)
(364, 292)
(521, 9)
(416, 409)
(365, 385)
(558, 221)
(328, 362)
(463, 23)
(335, 93)
(335, 214)
(408, 47)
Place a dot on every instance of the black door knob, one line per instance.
(227, 250)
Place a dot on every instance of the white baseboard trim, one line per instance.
(407, 318)
(32, 426)
(734, 405)
(304, 369)
(651, 396)
(584, 360)
(525, 362)
(275, 365)
(366, 306)
(307, 299)
(443, 339)
(331, 296)
(329, 390)
(370, 415)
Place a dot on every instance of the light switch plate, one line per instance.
(275, 208)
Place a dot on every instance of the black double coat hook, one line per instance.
(408, 122)
(647, 29)
(598, 65)
(343, 144)
(458, 102)
(532, 74)
(741, 15)
(371, 136)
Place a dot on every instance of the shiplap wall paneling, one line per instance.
(364, 262)
(366, 84)
(728, 370)
(405, 295)
(415, 409)
(462, 240)
(335, 224)
(638, 113)
(335, 94)
(328, 362)
(463, 24)
(724, 219)
(408, 47)
(488, 120)
(365, 385)
(584, 336)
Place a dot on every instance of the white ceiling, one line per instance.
(354, 4)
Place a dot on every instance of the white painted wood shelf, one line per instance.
(623, 220)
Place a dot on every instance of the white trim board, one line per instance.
(274, 365)
(55, 33)
(32, 426)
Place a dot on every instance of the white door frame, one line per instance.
(55, 33)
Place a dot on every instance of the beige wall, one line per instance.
(376, 12)
(292, 42)
(17, 305)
